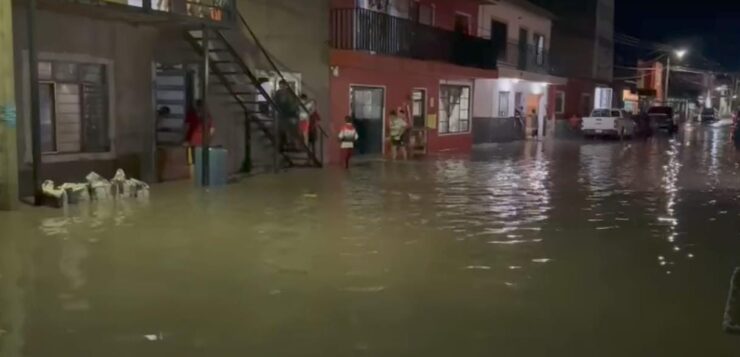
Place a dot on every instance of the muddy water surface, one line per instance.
(565, 249)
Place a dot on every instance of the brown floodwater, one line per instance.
(560, 249)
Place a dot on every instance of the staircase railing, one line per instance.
(253, 78)
(275, 68)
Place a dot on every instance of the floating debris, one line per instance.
(478, 267)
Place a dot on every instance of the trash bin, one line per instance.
(217, 167)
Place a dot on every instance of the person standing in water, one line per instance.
(399, 127)
(347, 138)
(308, 107)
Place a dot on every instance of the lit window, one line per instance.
(454, 109)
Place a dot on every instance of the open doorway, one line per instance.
(419, 115)
(367, 108)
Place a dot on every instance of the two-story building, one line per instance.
(582, 52)
(422, 57)
(105, 68)
(518, 102)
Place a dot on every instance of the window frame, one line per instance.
(469, 118)
(539, 52)
(560, 94)
(53, 85)
(109, 68)
(469, 21)
(507, 101)
(81, 84)
(586, 99)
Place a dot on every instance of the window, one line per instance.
(585, 104)
(499, 37)
(73, 106)
(418, 108)
(462, 23)
(539, 49)
(518, 100)
(421, 13)
(503, 104)
(454, 109)
(559, 102)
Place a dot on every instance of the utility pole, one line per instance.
(667, 79)
(8, 133)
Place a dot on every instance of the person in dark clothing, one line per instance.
(288, 111)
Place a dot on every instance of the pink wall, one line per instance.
(444, 13)
(399, 77)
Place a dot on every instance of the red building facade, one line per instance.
(415, 56)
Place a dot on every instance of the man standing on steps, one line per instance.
(288, 110)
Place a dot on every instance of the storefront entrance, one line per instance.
(367, 109)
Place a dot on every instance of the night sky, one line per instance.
(710, 28)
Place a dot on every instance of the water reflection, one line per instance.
(408, 258)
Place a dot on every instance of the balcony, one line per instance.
(378, 33)
(149, 11)
(524, 57)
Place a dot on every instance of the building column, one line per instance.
(8, 137)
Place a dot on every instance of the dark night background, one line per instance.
(709, 28)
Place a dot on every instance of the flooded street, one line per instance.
(564, 249)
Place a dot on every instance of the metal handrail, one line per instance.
(274, 66)
(268, 98)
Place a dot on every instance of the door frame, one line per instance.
(383, 111)
(426, 103)
(470, 21)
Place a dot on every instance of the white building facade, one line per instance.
(521, 33)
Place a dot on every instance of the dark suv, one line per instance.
(708, 115)
(661, 118)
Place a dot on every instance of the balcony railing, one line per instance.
(208, 10)
(524, 57)
(366, 30)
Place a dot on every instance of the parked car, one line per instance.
(708, 115)
(609, 122)
(662, 118)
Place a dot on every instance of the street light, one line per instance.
(680, 54)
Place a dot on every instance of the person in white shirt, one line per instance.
(347, 138)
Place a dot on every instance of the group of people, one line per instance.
(297, 116)
(298, 120)
(398, 136)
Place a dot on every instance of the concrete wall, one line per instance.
(496, 130)
(128, 52)
(296, 33)
(487, 95)
(604, 49)
(515, 17)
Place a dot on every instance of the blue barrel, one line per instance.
(217, 163)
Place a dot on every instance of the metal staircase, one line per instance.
(243, 86)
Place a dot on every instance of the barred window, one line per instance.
(73, 104)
